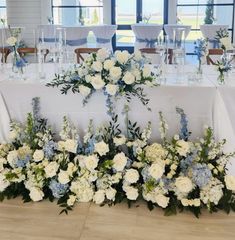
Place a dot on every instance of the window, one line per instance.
(198, 12)
(3, 12)
(74, 12)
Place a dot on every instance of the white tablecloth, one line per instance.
(204, 103)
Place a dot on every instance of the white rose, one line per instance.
(51, 169)
(85, 91)
(101, 148)
(11, 41)
(131, 176)
(115, 73)
(119, 140)
(131, 193)
(230, 182)
(184, 184)
(63, 177)
(110, 194)
(183, 147)
(108, 64)
(156, 170)
(12, 158)
(3, 183)
(71, 145)
(136, 73)
(38, 155)
(102, 54)
(111, 89)
(36, 194)
(71, 200)
(122, 57)
(99, 197)
(129, 78)
(146, 71)
(137, 55)
(162, 200)
(97, 66)
(91, 162)
(88, 78)
(119, 161)
(97, 82)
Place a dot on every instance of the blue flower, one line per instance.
(184, 133)
(90, 146)
(145, 174)
(201, 174)
(58, 189)
(36, 108)
(20, 62)
(22, 162)
(49, 148)
(186, 163)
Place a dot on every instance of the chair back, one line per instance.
(213, 52)
(80, 51)
(4, 52)
(23, 51)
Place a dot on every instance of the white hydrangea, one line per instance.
(162, 200)
(155, 152)
(101, 148)
(131, 176)
(156, 170)
(99, 197)
(184, 184)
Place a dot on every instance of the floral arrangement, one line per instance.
(222, 36)
(108, 167)
(118, 74)
(201, 50)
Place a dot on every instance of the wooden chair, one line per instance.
(213, 52)
(155, 51)
(80, 51)
(24, 51)
(4, 52)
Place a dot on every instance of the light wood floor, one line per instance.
(40, 221)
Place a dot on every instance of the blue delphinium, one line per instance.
(58, 189)
(201, 174)
(22, 162)
(49, 149)
(36, 108)
(184, 133)
(90, 147)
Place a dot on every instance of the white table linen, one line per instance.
(170, 28)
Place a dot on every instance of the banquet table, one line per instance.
(204, 102)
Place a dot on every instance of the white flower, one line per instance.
(131, 176)
(63, 177)
(97, 82)
(101, 148)
(196, 202)
(13, 134)
(119, 140)
(162, 200)
(71, 169)
(110, 193)
(136, 73)
(183, 147)
(155, 152)
(38, 155)
(97, 66)
(122, 57)
(226, 42)
(119, 161)
(137, 55)
(156, 170)
(129, 78)
(111, 89)
(230, 182)
(12, 158)
(2, 162)
(11, 41)
(71, 200)
(69, 145)
(102, 54)
(146, 71)
(85, 91)
(36, 194)
(51, 169)
(184, 184)
(115, 73)
(3, 182)
(131, 193)
(91, 162)
(108, 64)
(99, 197)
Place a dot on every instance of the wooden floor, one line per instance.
(40, 221)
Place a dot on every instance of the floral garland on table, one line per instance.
(118, 74)
(107, 167)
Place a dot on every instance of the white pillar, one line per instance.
(172, 11)
(107, 18)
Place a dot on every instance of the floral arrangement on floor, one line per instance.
(118, 74)
(201, 50)
(108, 167)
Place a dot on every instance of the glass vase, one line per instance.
(221, 78)
(18, 63)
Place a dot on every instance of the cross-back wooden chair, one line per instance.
(4, 52)
(80, 51)
(23, 51)
(213, 52)
(156, 51)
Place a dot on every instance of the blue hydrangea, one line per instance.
(49, 149)
(145, 174)
(186, 163)
(184, 133)
(201, 174)
(167, 183)
(22, 162)
(58, 189)
(90, 146)
(129, 163)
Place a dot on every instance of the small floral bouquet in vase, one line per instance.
(18, 63)
(201, 50)
(223, 66)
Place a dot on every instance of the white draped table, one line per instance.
(205, 103)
